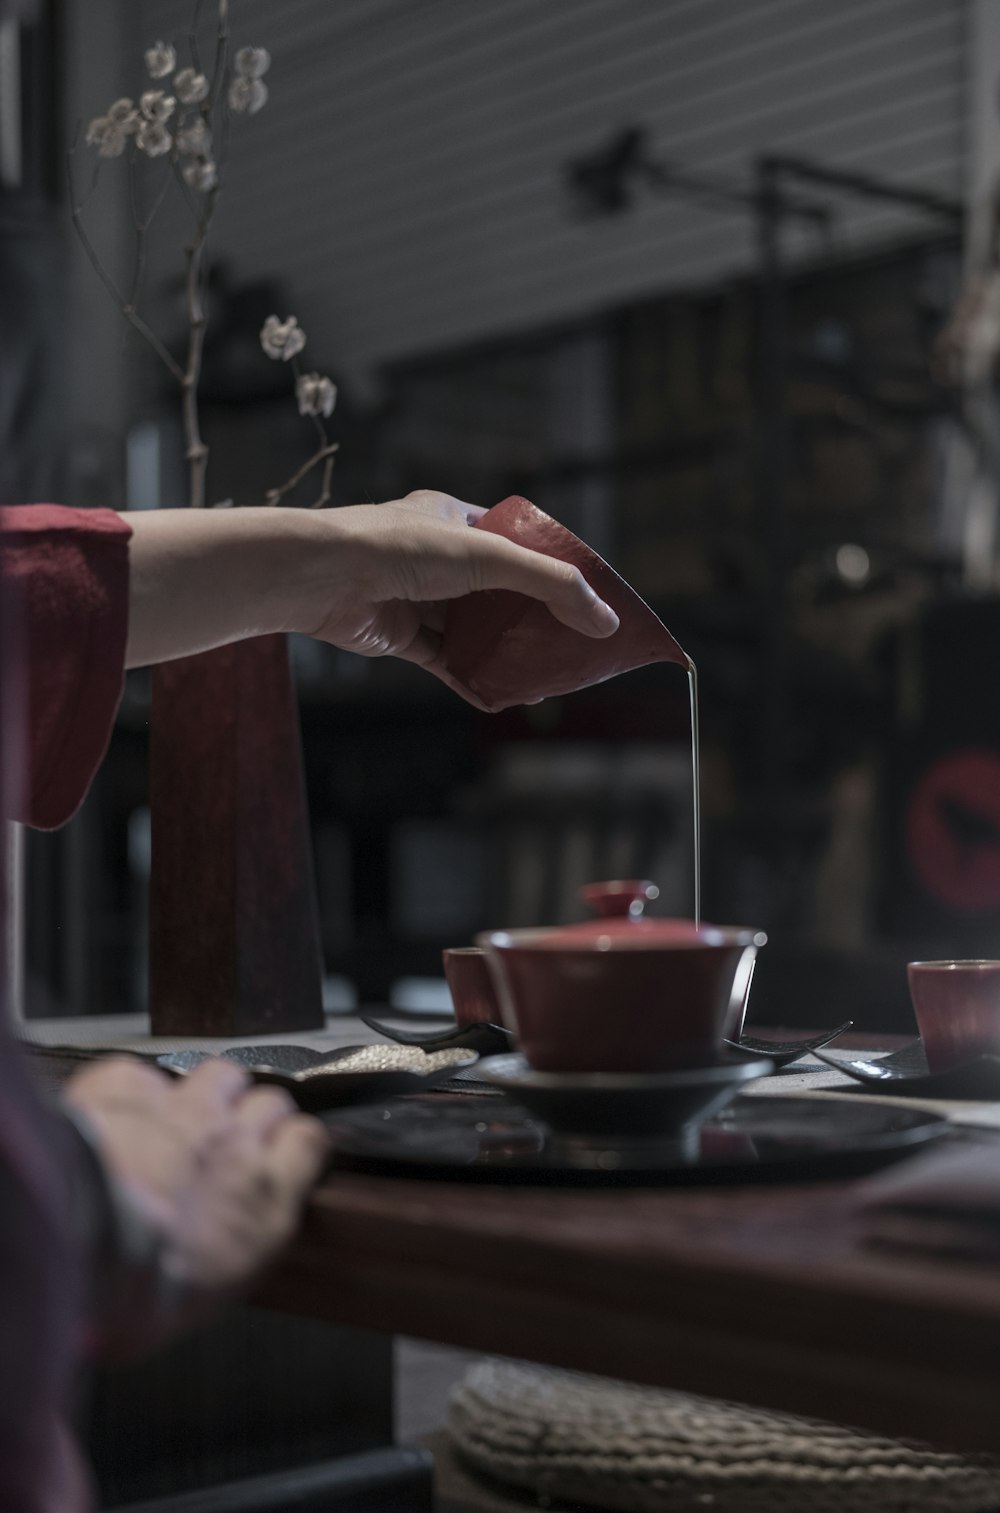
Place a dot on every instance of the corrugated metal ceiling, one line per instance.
(405, 178)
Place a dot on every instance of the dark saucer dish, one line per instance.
(494, 1040)
(485, 1039)
(753, 1140)
(319, 1080)
(904, 1074)
(623, 1103)
(784, 1052)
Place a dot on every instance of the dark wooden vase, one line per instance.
(234, 935)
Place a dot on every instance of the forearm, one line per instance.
(204, 578)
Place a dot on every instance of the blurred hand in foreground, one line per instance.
(218, 1169)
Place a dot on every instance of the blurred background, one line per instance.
(712, 283)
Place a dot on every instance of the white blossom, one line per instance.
(124, 114)
(282, 338)
(252, 62)
(161, 60)
(201, 174)
(109, 137)
(247, 96)
(194, 139)
(191, 87)
(154, 138)
(316, 395)
(157, 106)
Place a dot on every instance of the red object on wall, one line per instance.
(234, 933)
(953, 831)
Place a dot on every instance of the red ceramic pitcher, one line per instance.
(508, 649)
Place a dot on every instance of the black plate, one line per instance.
(904, 1074)
(313, 1077)
(756, 1139)
(600, 1103)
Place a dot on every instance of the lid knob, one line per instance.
(620, 899)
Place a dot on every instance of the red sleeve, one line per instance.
(65, 585)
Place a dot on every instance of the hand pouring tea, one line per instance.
(508, 649)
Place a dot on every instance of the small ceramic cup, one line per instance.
(473, 995)
(957, 1004)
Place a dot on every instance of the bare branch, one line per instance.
(193, 34)
(173, 367)
(221, 54)
(197, 452)
(324, 496)
(274, 496)
(189, 199)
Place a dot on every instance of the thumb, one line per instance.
(559, 585)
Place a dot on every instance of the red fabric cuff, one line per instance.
(65, 586)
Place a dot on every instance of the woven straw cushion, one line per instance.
(583, 1440)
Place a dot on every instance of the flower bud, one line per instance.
(157, 106)
(108, 136)
(154, 139)
(161, 60)
(190, 87)
(316, 395)
(201, 174)
(282, 339)
(247, 96)
(252, 62)
(194, 139)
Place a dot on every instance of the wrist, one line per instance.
(318, 561)
(205, 578)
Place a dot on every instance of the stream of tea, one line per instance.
(695, 786)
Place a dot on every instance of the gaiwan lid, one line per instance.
(619, 906)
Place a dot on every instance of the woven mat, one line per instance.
(593, 1443)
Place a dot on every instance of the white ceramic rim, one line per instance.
(953, 965)
(526, 939)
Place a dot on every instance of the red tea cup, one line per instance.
(957, 1004)
(473, 995)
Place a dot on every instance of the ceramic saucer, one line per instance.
(784, 1052)
(318, 1080)
(905, 1074)
(639, 1104)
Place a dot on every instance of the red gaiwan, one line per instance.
(623, 993)
(508, 649)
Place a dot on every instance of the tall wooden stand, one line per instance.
(234, 934)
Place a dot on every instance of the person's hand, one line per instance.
(370, 578)
(411, 555)
(217, 1167)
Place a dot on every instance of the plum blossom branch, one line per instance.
(274, 496)
(185, 119)
(316, 395)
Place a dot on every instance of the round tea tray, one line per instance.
(756, 1139)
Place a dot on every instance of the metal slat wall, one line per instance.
(405, 177)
